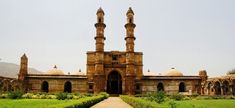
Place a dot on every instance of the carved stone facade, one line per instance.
(115, 72)
(224, 85)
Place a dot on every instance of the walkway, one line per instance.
(112, 102)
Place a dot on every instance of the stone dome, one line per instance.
(174, 72)
(55, 71)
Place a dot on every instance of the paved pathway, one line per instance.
(112, 102)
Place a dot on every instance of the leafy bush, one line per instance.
(15, 94)
(27, 96)
(88, 94)
(138, 102)
(106, 95)
(61, 96)
(187, 98)
(177, 97)
(36, 96)
(158, 97)
(51, 97)
(195, 94)
(3, 96)
(172, 104)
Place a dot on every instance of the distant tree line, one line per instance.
(231, 72)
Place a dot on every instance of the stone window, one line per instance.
(90, 86)
(99, 20)
(114, 57)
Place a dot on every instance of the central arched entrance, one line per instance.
(114, 83)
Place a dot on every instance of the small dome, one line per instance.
(174, 72)
(149, 73)
(55, 71)
(100, 10)
(80, 72)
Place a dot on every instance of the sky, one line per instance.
(189, 35)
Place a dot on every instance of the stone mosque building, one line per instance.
(116, 72)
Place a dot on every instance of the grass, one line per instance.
(219, 103)
(202, 103)
(33, 103)
(49, 103)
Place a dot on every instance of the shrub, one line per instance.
(195, 94)
(3, 96)
(61, 96)
(27, 96)
(138, 102)
(43, 96)
(69, 96)
(106, 95)
(158, 97)
(187, 98)
(15, 94)
(177, 97)
(51, 96)
(36, 96)
(87, 102)
(88, 94)
(172, 104)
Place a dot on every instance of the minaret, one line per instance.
(100, 26)
(130, 54)
(99, 77)
(23, 68)
(130, 26)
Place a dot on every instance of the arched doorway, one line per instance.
(45, 86)
(182, 87)
(217, 88)
(68, 87)
(160, 87)
(209, 88)
(226, 88)
(233, 87)
(114, 83)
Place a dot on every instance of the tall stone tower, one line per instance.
(130, 54)
(23, 67)
(116, 72)
(99, 55)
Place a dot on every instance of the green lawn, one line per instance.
(220, 103)
(168, 103)
(35, 103)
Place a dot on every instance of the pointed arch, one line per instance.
(68, 87)
(45, 87)
(114, 83)
(226, 87)
(217, 88)
(160, 87)
(182, 87)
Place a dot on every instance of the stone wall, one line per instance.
(171, 86)
(56, 84)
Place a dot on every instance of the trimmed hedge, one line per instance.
(85, 102)
(139, 103)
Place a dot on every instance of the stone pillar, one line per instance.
(222, 89)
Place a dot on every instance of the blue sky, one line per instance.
(189, 35)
